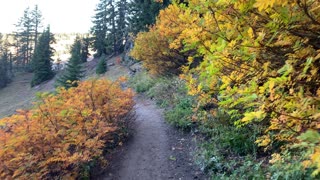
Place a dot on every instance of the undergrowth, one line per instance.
(169, 93)
(141, 82)
(226, 151)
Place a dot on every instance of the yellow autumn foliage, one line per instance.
(257, 60)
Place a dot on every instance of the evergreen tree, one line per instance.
(36, 16)
(99, 30)
(143, 13)
(24, 38)
(102, 65)
(41, 60)
(85, 42)
(27, 35)
(112, 21)
(5, 76)
(74, 71)
(110, 26)
(121, 25)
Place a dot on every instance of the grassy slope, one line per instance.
(19, 94)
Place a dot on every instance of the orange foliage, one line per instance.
(158, 48)
(63, 132)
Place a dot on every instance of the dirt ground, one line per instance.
(156, 151)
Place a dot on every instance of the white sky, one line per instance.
(62, 15)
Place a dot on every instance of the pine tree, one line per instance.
(102, 65)
(5, 62)
(36, 16)
(85, 42)
(41, 60)
(24, 38)
(4, 78)
(143, 13)
(27, 35)
(74, 71)
(110, 26)
(121, 24)
(112, 23)
(99, 30)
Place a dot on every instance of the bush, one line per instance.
(180, 115)
(228, 152)
(156, 55)
(65, 133)
(171, 93)
(222, 164)
(102, 65)
(167, 91)
(293, 168)
(260, 68)
(141, 82)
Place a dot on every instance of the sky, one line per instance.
(64, 16)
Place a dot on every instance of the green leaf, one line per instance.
(172, 158)
(250, 116)
(307, 66)
(310, 136)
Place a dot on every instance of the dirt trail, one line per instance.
(156, 151)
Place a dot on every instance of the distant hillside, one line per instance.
(62, 45)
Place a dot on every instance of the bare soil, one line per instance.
(155, 151)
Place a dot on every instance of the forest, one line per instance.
(243, 76)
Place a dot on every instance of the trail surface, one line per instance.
(156, 151)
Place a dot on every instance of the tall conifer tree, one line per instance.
(143, 13)
(99, 30)
(42, 60)
(4, 64)
(74, 70)
(27, 34)
(36, 16)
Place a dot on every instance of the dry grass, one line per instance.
(113, 73)
(19, 94)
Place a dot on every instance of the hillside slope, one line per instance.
(19, 94)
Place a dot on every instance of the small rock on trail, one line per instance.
(155, 151)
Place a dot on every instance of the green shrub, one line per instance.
(102, 65)
(222, 164)
(228, 152)
(180, 115)
(246, 168)
(239, 141)
(168, 91)
(289, 166)
(171, 93)
(141, 82)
